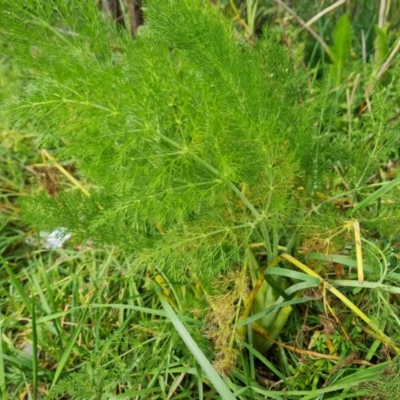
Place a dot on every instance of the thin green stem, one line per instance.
(259, 217)
(371, 157)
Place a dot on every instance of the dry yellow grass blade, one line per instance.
(46, 156)
(357, 237)
(308, 28)
(321, 13)
(378, 333)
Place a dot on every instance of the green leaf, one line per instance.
(35, 351)
(341, 46)
(292, 274)
(68, 350)
(347, 261)
(276, 286)
(21, 291)
(3, 388)
(261, 314)
(116, 306)
(381, 43)
(375, 195)
(365, 284)
(265, 361)
(301, 286)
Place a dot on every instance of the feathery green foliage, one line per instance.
(192, 141)
(195, 146)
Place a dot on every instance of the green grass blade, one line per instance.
(64, 358)
(340, 259)
(35, 354)
(300, 286)
(375, 196)
(265, 361)
(346, 261)
(199, 381)
(2, 369)
(365, 284)
(116, 306)
(262, 313)
(24, 297)
(292, 274)
(206, 366)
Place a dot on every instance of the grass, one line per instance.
(76, 320)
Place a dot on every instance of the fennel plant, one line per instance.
(192, 144)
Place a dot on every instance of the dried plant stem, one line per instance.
(260, 331)
(321, 13)
(379, 334)
(46, 155)
(309, 29)
(385, 66)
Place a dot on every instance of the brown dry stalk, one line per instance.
(308, 28)
(321, 13)
(260, 331)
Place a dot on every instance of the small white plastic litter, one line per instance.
(54, 239)
(50, 240)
